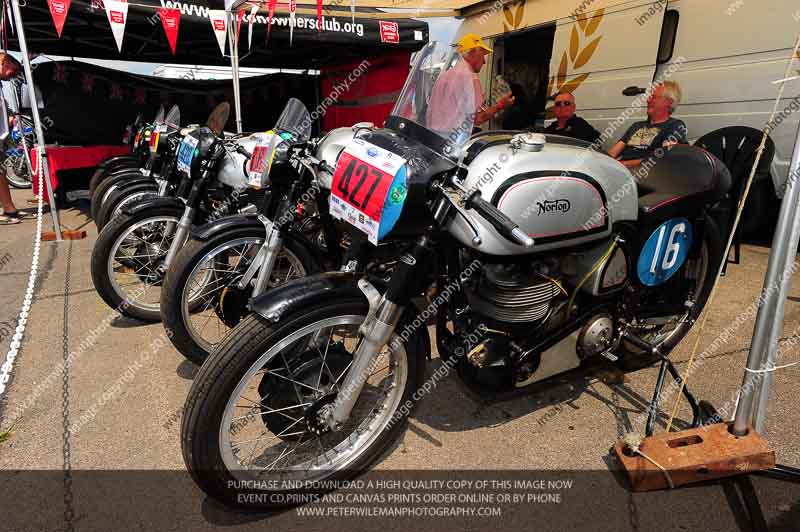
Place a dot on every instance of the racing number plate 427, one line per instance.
(364, 175)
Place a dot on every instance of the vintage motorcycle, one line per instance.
(16, 163)
(134, 251)
(155, 178)
(133, 161)
(292, 236)
(535, 252)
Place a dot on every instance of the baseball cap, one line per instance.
(470, 41)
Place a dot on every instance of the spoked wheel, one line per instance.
(667, 331)
(255, 409)
(17, 172)
(128, 261)
(202, 301)
(121, 198)
(108, 186)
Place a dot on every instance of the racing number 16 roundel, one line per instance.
(665, 251)
(369, 188)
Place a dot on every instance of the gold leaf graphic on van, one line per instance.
(582, 21)
(595, 22)
(574, 42)
(587, 53)
(576, 56)
(513, 21)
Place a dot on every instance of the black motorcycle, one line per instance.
(552, 259)
(134, 251)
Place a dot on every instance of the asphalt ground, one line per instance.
(122, 468)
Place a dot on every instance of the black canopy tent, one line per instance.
(87, 33)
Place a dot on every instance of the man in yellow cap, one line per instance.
(457, 97)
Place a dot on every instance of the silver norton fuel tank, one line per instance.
(332, 145)
(232, 170)
(559, 191)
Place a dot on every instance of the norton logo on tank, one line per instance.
(559, 206)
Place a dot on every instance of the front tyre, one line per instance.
(128, 261)
(208, 272)
(251, 406)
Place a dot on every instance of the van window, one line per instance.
(668, 33)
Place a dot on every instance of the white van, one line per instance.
(724, 53)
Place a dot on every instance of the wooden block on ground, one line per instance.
(695, 455)
(49, 236)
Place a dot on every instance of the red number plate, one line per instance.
(361, 183)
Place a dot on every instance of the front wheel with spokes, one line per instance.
(253, 412)
(128, 261)
(201, 300)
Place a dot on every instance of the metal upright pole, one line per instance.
(776, 284)
(762, 397)
(37, 123)
(233, 43)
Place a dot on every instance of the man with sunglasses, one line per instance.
(567, 122)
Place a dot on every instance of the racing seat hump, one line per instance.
(683, 181)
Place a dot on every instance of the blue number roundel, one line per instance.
(393, 206)
(665, 251)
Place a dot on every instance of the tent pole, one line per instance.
(37, 123)
(755, 386)
(233, 43)
(762, 390)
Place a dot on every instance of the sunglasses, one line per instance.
(563, 104)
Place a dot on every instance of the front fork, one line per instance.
(265, 259)
(384, 314)
(182, 231)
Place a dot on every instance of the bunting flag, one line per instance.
(319, 15)
(60, 73)
(116, 92)
(353, 10)
(272, 4)
(253, 11)
(292, 15)
(117, 11)
(87, 82)
(58, 10)
(139, 96)
(171, 20)
(219, 22)
(239, 17)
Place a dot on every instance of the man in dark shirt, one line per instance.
(567, 122)
(659, 131)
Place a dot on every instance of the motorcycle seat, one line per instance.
(682, 182)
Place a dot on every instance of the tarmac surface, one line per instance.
(122, 468)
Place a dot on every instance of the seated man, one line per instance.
(567, 122)
(660, 130)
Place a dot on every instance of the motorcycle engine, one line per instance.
(513, 293)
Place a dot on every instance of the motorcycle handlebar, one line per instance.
(504, 225)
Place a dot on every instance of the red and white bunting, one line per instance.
(59, 9)
(219, 22)
(117, 12)
(171, 20)
(239, 16)
(253, 11)
(292, 15)
(319, 15)
(272, 4)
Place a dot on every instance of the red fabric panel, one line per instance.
(70, 157)
(347, 97)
